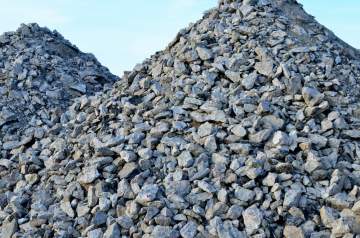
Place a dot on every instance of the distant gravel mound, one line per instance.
(40, 74)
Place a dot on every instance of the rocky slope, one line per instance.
(40, 74)
(246, 125)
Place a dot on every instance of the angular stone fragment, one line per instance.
(112, 231)
(8, 228)
(125, 222)
(189, 230)
(82, 210)
(291, 198)
(128, 156)
(91, 196)
(164, 231)
(356, 208)
(205, 129)
(185, 159)
(355, 134)
(9, 145)
(260, 136)
(96, 233)
(233, 76)
(88, 175)
(249, 81)
(270, 180)
(127, 170)
(234, 212)
(328, 216)
(293, 232)
(179, 67)
(210, 144)
(81, 87)
(312, 96)
(238, 130)
(99, 218)
(66, 207)
(266, 65)
(312, 163)
(206, 186)
(227, 229)
(244, 194)
(340, 227)
(204, 53)
(5, 163)
(147, 194)
(252, 219)
(145, 153)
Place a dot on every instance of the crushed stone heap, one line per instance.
(246, 125)
(40, 74)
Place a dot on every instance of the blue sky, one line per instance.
(122, 33)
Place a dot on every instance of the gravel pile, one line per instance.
(40, 74)
(246, 125)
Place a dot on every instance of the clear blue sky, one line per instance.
(122, 33)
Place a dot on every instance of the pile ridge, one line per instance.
(246, 125)
(40, 74)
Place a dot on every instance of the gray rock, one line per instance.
(127, 170)
(210, 144)
(312, 163)
(234, 212)
(128, 156)
(8, 228)
(244, 194)
(104, 204)
(99, 218)
(356, 208)
(204, 53)
(112, 231)
(92, 197)
(312, 96)
(185, 159)
(293, 231)
(291, 198)
(82, 210)
(355, 134)
(249, 81)
(328, 216)
(340, 228)
(252, 219)
(206, 187)
(97, 233)
(125, 222)
(246, 9)
(239, 131)
(188, 230)
(88, 175)
(270, 179)
(205, 129)
(163, 231)
(80, 87)
(233, 76)
(266, 64)
(147, 194)
(145, 153)
(66, 207)
(179, 67)
(261, 136)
